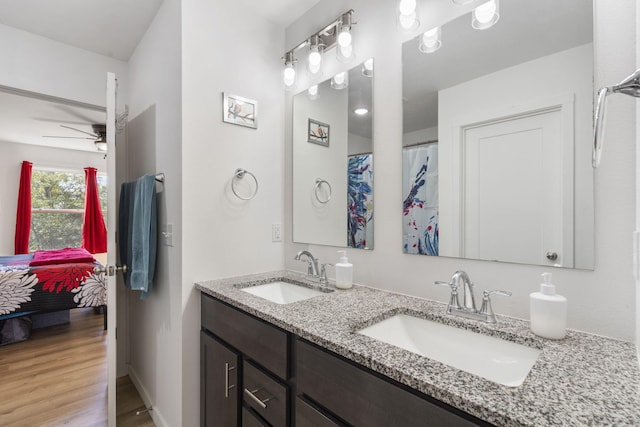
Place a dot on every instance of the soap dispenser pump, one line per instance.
(548, 311)
(344, 272)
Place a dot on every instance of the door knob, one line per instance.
(552, 256)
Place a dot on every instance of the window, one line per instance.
(57, 207)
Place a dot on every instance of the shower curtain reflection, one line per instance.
(420, 193)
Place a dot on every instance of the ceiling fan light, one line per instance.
(101, 145)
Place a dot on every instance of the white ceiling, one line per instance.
(281, 12)
(27, 119)
(109, 27)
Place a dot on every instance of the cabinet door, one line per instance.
(219, 396)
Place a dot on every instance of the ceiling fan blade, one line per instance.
(79, 130)
(69, 137)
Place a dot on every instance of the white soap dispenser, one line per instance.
(548, 311)
(344, 272)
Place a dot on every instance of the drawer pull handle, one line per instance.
(227, 387)
(261, 402)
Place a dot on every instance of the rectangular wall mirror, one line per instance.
(333, 161)
(497, 127)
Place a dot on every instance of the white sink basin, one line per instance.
(497, 360)
(282, 292)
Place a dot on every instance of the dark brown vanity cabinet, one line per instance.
(244, 369)
(255, 374)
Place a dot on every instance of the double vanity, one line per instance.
(277, 349)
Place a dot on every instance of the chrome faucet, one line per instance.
(312, 263)
(468, 309)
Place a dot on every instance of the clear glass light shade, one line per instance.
(314, 60)
(340, 80)
(407, 15)
(289, 75)
(344, 37)
(313, 93)
(345, 53)
(367, 68)
(431, 40)
(486, 15)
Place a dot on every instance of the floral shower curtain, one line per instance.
(360, 201)
(23, 214)
(420, 193)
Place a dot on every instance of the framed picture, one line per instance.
(318, 133)
(239, 110)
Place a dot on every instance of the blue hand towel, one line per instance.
(138, 232)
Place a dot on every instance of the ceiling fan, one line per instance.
(99, 135)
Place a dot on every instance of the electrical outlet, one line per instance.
(276, 232)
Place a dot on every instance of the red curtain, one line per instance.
(23, 214)
(94, 232)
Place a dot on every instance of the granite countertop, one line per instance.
(581, 380)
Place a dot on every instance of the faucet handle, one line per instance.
(453, 300)
(323, 272)
(486, 304)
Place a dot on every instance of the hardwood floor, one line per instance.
(59, 377)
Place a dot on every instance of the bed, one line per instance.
(29, 285)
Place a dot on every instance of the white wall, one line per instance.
(11, 157)
(593, 295)
(422, 135)
(153, 145)
(226, 47)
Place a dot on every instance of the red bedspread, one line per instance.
(61, 256)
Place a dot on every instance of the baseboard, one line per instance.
(155, 413)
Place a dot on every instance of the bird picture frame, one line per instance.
(318, 133)
(239, 110)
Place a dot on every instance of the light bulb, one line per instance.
(367, 67)
(430, 41)
(361, 111)
(345, 53)
(344, 38)
(289, 75)
(339, 78)
(340, 81)
(485, 15)
(408, 22)
(407, 7)
(314, 57)
(313, 90)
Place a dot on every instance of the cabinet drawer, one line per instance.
(265, 395)
(250, 420)
(308, 416)
(255, 338)
(362, 398)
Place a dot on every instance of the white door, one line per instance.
(111, 249)
(515, 204)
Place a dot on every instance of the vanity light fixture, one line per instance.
(486, 15)
(431, 40)
(367, 68)
(101, 145)
(336, 34)
(344, 52)
(289, 71)
(340, 80)
(314, 59)
(408, 15)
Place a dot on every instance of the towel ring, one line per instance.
(319, 182)
(239, 174)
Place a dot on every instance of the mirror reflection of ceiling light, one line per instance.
(312, 92)
(101, 145)
(408, 15)
(367, 68)
(340, 80)
(361, 111)
(431, 40)
(486, 15)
